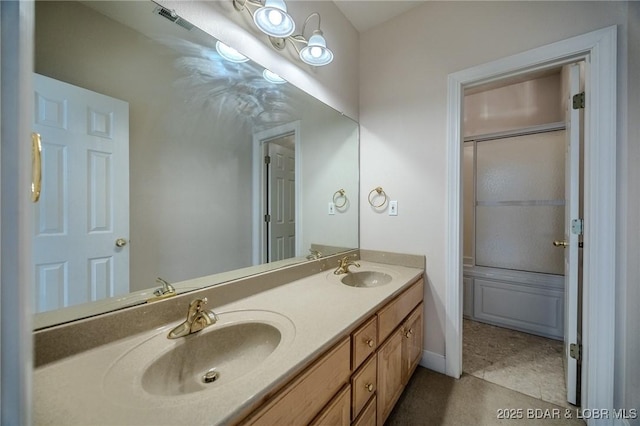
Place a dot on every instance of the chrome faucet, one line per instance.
(343, 265)
(197, 319)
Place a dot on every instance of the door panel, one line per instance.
(282, 226)
(572, 197)
(84, 205)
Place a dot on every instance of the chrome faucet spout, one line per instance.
(197, 319)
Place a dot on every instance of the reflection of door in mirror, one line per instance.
(81, 226)
(281, 198)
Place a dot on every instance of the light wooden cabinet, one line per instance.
(389, 375)
(337, 412)
(300, 401)
(368, 414)
(411, 343)
(361, 378)
(400, 354)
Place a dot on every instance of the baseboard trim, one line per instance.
(433, 361)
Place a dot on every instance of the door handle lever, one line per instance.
(558, 243)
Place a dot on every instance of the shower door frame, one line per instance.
(599, 50)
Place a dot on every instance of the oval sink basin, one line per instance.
(225, 353)
(156, 370)
(366, 279)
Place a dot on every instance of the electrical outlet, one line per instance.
(332, 208)
(393, 208)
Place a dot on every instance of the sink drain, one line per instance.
(210, 376)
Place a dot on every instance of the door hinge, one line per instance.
(267, 159)
(577, 226)
(578, 101)
(575, 351)
(267, 218)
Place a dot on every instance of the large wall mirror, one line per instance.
(154, 163)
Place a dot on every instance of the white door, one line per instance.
(572, 237)
(282, 203)
(84, 204)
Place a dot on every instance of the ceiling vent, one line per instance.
(173, 17)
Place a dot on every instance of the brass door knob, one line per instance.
(121, 242)
(369, 387)
(558, 243)
(369, 342)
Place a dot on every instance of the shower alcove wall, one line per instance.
(514, 204)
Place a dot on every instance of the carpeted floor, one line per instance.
(432, 398)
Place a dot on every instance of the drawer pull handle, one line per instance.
(369, 387)
(369, 342)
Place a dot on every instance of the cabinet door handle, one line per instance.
(369, 387)
(408, 333)
(369, 342)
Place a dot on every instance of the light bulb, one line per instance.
(275, 17)
(316, 51)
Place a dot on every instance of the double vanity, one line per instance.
(301, 345)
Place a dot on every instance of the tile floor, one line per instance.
(519, 361)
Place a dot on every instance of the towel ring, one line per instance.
(380, 192)
(340, 193)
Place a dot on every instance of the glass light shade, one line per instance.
(273, 19)
(229, 53)
(272, 77)
(316, 52)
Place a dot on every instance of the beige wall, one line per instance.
(403, 114)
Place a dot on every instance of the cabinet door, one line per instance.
(337, 412)
(390, 384)
(411, 343)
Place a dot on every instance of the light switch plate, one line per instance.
(393, 208)
(332, 208)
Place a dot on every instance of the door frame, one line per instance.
(259, 181)
(16, 212)
(599, 50)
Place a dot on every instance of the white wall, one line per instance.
(403, 102)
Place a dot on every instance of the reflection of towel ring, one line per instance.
(381, 193)
(340, 193)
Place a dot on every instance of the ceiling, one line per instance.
(365, 14)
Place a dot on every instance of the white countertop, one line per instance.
(83, 389)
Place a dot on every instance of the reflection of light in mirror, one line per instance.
(272, 77)
(229, 53)
(210, 82)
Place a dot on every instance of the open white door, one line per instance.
(282, 203)
(573, 230)
(81, 230)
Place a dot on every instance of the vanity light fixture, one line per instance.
(229, 53)
(272, 19)
(272, 77)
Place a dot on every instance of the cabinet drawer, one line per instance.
(368, 415)
(363, 385)
(363, 342)
(300, 401)
(391, 315)
(337, 412)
